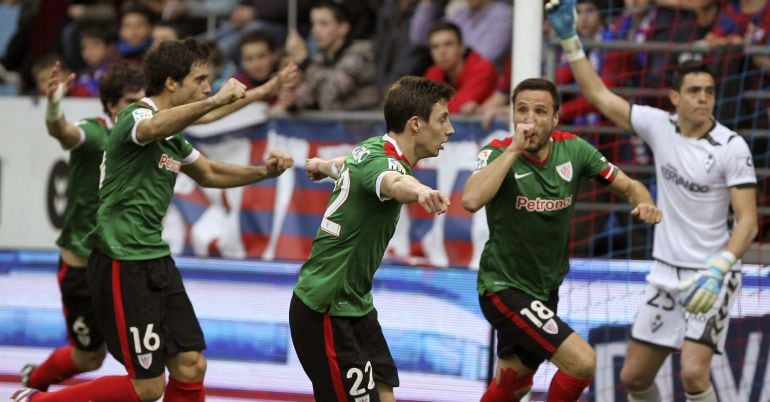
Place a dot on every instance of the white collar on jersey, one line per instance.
(390, 139)
(149, 101)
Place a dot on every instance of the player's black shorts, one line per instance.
(526, 327)
(143, 311)
(343, 356)
(82, 330)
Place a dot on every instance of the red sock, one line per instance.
(103, 389)
(508, 387)
(566, 388)
(178, 391)
(58, 367)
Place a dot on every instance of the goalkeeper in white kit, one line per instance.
(702, 170)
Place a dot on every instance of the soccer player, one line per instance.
(529, 184)
(85, 140)
(140, 303)
(333, 322)
(702, 170)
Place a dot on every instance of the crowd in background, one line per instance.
(351, 50)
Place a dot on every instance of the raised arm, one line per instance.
(484, 183)
(638, 196)
(407, 189)
(171, 121)
(209, 173)
(58, 127)
(288, 77)
(561, 15)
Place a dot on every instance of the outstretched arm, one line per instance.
(58, 127)
(288, 77)
(317, 168)
(171, 121)
(638, 196)
(561, 15)
(209, 173)
(407, 189)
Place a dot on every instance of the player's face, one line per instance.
(695, 100)
(436, 133)
(257, 60)
(327, 31)
(446, 50)
(589, 21)
(195, 86)
(535, 107)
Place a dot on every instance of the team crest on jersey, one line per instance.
(169, 163)
(145, 360)
(141, 113)
(709, 163)
(396, 165)
(565, 170)
(364, 398)
(482, 158)
(550, 327)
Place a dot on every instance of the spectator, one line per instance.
(98, 48)
(41, 71)
(395, 55)
(486, 25)
(341, 75)
(135, 33)
(258, 58)
(164, 30)
(472, 76)
(220, 67)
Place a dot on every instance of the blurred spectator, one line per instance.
(472, 76)
(135, 33)
(164, 30)
(220, 67)
(341, 75)
(41, 71)
(250, 15)
(98, 48)
(395, 55)
(81, 13)
(9, 15)
(259, 59)
(486, 25)
(590, 27)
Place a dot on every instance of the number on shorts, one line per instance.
(542, 311)
(356, 389)
(668, 306)
(151, 340)
(334, 228)
(80, 327)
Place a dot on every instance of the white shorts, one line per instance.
(662, 321)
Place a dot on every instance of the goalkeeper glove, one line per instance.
(700, 292)
(562, 16)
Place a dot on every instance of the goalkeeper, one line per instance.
(702, 170)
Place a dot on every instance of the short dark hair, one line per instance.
(120, 78)
(339, 11)
(172, 59)
(538, 84)
(443, 25)
(258, 36)
(48, 61)
(108, 33)
(413, 96)
(688, 67)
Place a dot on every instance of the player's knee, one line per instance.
(513, 386)
(695, 378)
(632, 380)
(585, 366)
(188, 367)
(150, 389)
(90, 360)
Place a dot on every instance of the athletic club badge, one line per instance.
(145, 360)
(565, 171)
